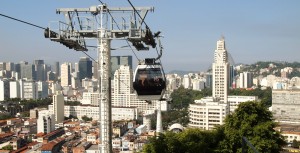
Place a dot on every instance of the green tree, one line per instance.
(8, 147)
(25, 114)
(253, 121)
(183, 97)
(85, 118)
(189, 141)
(295, 144)
(4, 116)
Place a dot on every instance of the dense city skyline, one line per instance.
(254, 31)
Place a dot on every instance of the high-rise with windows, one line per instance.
(85, 66)
(220, 69)
(65, 74)
(123, 94)
(58, 107)
(117, 61)
(208, 112)
(4, 89)
(40, 70)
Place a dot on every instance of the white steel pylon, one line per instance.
(104, 92)
(128, 27)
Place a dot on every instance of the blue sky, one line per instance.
(254, 30)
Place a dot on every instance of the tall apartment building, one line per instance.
(45, 122)
(186, 82)
(14, 89)
(220, 69)
(4, 89)
(65, 71)
(246, 80)
(286, 105)
(58, 107)
(28, 90)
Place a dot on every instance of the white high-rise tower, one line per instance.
(58, 107)
(220, 68)
(65, 74)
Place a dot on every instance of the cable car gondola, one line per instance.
(149, 80)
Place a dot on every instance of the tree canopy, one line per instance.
(189, 141)
(183, 97)
(253, 121)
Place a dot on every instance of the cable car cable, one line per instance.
(45, 29)
(143, 21)
(36, 27)
(23, 21)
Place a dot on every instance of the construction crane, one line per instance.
(83, 23)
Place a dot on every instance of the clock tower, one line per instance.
(220, 70)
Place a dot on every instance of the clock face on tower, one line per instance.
(219, 56)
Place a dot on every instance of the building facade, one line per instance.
(118, 113)
(206, 113)
(58, 107)
(45, 122)
(285, 105)
(220, 69)
(65, 74)
(85, 66)
(4, 89)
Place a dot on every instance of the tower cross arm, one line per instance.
(98, 9)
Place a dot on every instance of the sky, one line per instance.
(254, 31)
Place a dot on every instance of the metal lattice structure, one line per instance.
(103, 24)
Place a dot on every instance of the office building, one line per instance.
(220, 69)
(117, 61)
(56, 69)
(27, 71)
(85, 68)
(40, 70)
(211, 111)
